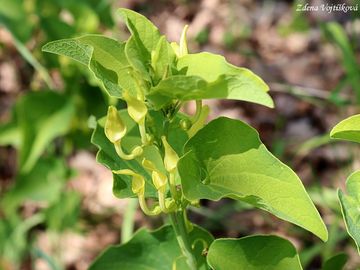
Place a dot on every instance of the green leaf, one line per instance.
(348, 129)
(72, 48)
(350, 205)
(176, 136)
(14, 240)
(336, 262)
(29, 57)
(227, 159)
(338, 35)
(144, 39)
(42, 116)
(210, 67)
(137, 59)
(15, 18)
(105, 57)
(64, 212)
(226, 86)
(10, 134)
(43, 183)
(144, 32)
(253, 253)
(162, 59)
(157, 250)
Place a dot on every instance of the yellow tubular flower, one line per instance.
(137, 151)
(138, 187)
(154, 58)
(136, 108)
(115, 129)
(171, 158)
(147, 164)
(183, 49)
(159, 180)
(176, 48)
(137, 111)
(137, 182)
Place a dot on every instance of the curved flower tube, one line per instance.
(138, 187)
(136, 152)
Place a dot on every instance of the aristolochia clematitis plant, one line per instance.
(156, 152)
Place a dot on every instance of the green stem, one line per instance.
(38, 253)
(197, 114)
(24, 51)
(142, 130)
(179, 225)
(127, 227)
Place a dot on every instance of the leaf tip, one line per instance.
(332, 133)
(45, 48)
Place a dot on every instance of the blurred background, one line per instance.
(57, 210)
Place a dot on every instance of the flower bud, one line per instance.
(115, 129)
(185, 124)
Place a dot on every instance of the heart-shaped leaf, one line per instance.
(350, 206)
(162, 59)
(145, 33)
(190, 87)
(348, 129)
(157, 250)
(144, 39)
(209, 76)
(336, 262)
(227, 159)
(105, 57)
(253, 253)
(211, 67)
